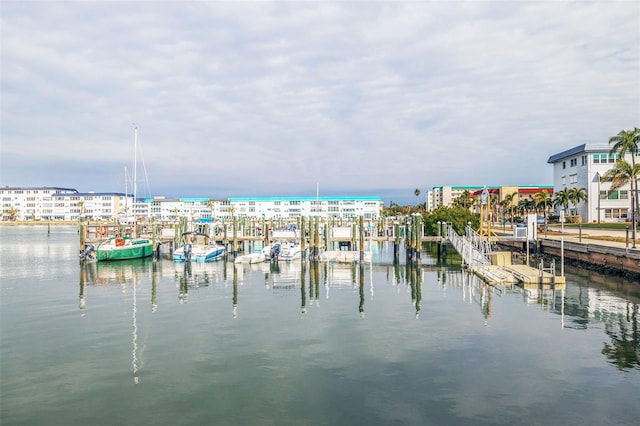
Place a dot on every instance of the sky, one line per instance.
(306, 98)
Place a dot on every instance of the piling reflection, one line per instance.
(361, 275)
(234, 300)
(303, 294)
(623, 350)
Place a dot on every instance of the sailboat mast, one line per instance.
(135, 163)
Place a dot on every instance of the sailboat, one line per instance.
(126, 246)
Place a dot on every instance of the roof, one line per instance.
(56, 188)
(361, 198)
(91, 194)
(603, 148)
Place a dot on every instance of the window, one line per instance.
(564, 164)
(574, 162)
(584, 160)
(615, 195)
(615, 214)
(563, 180)
(573, 178)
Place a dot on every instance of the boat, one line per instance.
(121, 248)
(124, 247)
(197, 246)
(290, 251)
(272, 251)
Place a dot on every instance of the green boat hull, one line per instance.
(134, 251)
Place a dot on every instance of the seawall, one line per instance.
(602, 258)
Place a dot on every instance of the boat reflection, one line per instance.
(130, 275)
(122, 273)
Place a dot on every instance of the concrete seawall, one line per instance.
(607, 259)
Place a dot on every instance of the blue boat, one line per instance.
(198, 247)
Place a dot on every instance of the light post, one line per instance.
(562, 243)
(598, 179)
(633, 220)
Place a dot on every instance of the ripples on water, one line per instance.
(146, 342)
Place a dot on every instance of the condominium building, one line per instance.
(583, 167)
(54, 203)
(43, 203)
(446, 195)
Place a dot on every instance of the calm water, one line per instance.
(145, 342)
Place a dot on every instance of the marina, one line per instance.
(158, 341)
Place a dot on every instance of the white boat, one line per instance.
(198, 247)
(290, 251)
(272, 251)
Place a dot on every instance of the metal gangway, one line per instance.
(472, 247)
(474, 250)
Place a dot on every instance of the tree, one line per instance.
(416, 192)
(627, 141)
(464, 200)
(458, 217)
(623, 173)
(507, 205)
(576, 195)
(525, 206)
(562, 199)
(543, 202)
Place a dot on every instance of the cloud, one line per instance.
(271, 98)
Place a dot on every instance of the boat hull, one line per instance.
(207, 255)
(110, 252)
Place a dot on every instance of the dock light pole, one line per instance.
(562, 243)
(598, 179)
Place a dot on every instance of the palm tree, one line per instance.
(416, 192)
(507, 205)
(627, 141)
(562, 198)
(577, 195)
(623, 173)
(464, 200)
(543, 202)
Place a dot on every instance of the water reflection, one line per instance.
(234, 303)
(624, 349)
(612, 308)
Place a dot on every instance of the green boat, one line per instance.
(123, 248)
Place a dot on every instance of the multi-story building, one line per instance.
(370, 207)
(27, 203)
(446, 195)
(583, 167)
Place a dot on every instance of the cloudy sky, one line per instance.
(281, 98)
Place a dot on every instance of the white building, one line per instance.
(582, 167)
(43, 203)
(370, 207)
(446, 195)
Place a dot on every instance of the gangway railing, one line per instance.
(473, 248)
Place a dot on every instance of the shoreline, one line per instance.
(39, 223)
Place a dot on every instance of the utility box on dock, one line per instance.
(500, 258)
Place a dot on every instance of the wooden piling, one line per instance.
(303, 240)
(83, 233)
(235, 237)
(361, 239)
(396, 242)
